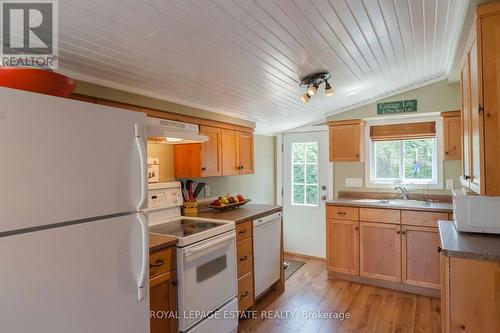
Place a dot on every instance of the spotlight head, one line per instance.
(305, 98)
(328, 89)
(311, 89)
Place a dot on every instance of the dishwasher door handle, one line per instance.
(267, 219)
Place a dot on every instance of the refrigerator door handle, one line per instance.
(143, 160)
(141, 290)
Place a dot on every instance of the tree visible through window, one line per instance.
(404, 161)
(305, 173)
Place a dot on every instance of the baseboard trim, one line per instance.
(386, 284)
(305, 256)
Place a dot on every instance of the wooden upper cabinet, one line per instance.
(342, 243)
(230, 153)
(211, 152)
(480, 103)
(452, 135)
(226, 153)
(245, 144)
(187, 160)
(237, 153)
(380, 251)
(346, 140)
(420, 257)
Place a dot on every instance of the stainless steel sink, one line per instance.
(395, 202)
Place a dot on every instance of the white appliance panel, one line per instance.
(79, 278)
(224, 320)
(206, 268)
(476, 213)
(66, 160)
(267, 251)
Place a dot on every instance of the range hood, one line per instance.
(173, 132)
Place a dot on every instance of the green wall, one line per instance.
(437, 97)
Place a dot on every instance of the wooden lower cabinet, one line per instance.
(470, 295)
(245, 292)
(380, 251)
(343, 246)
(163, 303)
(244, 252)
(420, 258)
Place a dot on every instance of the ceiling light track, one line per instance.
(312, 83)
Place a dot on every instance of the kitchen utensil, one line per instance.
(189, 188)
(182, 191)
(198, 189)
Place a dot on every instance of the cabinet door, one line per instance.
(490, 50)
(466, 160)
(163, 303)
(476, 122)
(343, 246)
(452, 138)
(380, 251)
(345, 143)
(230, 153)
(211, 152)
(420, 256)
(245, 144)
(187, 160)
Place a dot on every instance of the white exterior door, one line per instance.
(306, 186)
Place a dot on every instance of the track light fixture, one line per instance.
(312, 82)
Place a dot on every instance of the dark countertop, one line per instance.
(433, 207)
(247, 212)
(468, 245)
(158, 242)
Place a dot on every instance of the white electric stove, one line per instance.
(206, 262)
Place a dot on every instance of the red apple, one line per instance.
(217, 202)
(240, 197)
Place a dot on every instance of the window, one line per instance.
(404, 161)
(305, 173)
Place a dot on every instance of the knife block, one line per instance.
(190, 208)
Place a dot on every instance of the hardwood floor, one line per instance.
(371, 309)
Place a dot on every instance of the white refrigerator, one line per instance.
(73, 244)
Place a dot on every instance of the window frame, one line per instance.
(437, 163)
(305, 184)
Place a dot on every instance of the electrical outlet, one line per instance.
(449, 184)
(207, 190)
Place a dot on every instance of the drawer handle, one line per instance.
(244, 258)
(398, 232)
(245, 294)
(439, 249)
(175, 283)
(341, 213)
(244, 231)
(157, 263)
(404, 232)
(356, 228)
(203, 169)
(462, 326)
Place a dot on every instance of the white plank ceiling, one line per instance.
(244, 58)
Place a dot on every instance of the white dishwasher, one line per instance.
(267, 251)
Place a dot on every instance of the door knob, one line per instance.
(323, 188)
(323, 197)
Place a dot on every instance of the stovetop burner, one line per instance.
(183, 227)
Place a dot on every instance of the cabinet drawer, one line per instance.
(244, 256)
(423, 219)
(245, 292)
(243, 230)
(342, 213)
(379, 215)
(161, 261)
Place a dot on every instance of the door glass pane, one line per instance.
(305, 173)
(298, 195)
(311, 194)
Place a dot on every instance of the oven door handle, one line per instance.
(212, 245)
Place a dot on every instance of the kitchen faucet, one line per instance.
(403, 190)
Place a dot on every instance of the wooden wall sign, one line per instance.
(409, 105)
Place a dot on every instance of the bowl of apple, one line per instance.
(228, 202)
